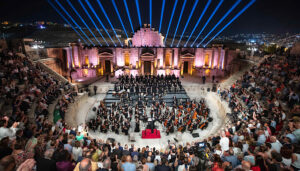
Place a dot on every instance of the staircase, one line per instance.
(51, 71)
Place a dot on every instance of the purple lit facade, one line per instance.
(146, 56)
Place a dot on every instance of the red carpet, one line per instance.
(146, 134)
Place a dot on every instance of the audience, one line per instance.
(262, 133)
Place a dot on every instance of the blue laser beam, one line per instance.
(211, 16)
(187, 23)
(62, 16)
(74, 21)
(128, 14)
(180, 16)
(86, 11)
(199, 19)
(98, 19)
(74, 9)
(162, 14)
(234, 18)
(150, 1)
(138, 11)
(220, 21)
(174, 7)
(112, 27)
(117, 11)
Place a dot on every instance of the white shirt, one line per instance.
(76, 152)
(7, 132)
(276, 146)
(224, 142)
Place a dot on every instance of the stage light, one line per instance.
(92, 9)
(138, 11)
(128, 14)
(211, 16)
(62, 16)
(162, 14)
(117, 11)
(187, 23)
(174, 7)
(74, 21)
(68, 1)
(180, 16)
(92, 20)
(234, 18)
(107, 18)
(150, 1)
(221, 20)
(199, 19)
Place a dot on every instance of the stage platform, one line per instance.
(147, 134)
(168, 98)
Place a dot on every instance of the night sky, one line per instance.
(272, 16)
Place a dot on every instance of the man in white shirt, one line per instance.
(224, 142)
(7, 132)
(276, 145)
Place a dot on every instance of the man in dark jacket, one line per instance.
(163, 166)
(45, 163)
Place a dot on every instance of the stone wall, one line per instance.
(50, 66)
(73, 108)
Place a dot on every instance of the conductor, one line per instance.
(151, 124)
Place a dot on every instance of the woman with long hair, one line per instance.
(260, 164)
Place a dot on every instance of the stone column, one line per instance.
(142, 68)
(152, 67)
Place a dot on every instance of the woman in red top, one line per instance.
(217, 165)
(260, 164)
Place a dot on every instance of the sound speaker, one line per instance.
(208, 89)
(195, 135)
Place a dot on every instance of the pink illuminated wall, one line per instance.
(160, 56)
(175, 57)
(147, 37)
(221, 66)
(176, 72)
(134, 56)
(69, 57)
(119, 57)
(134, 72)
(199, 57)
(216, 57)
(75, 56)
(161, 72)
(119, 73)
(92, 55)
(209, 52)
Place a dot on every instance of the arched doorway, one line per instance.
(107, 66)
(185, 67)
(147, 67)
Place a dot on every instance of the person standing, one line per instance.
(128, 165)
(203, 79)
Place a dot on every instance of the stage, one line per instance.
(147, 134)
(218, 111)
(194, 89)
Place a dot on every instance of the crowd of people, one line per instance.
(187, 116)
(146, 89)
(263, 131)
(184, 115)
